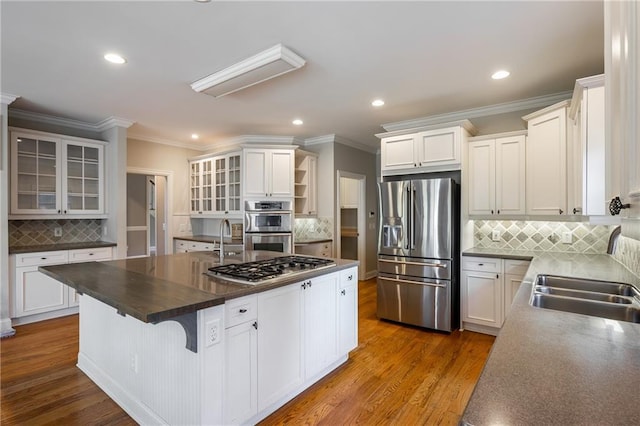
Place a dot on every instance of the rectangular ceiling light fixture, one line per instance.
(266, 65)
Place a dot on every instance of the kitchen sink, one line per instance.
(612, 300)
(612, 311)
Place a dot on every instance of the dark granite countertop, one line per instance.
(62, 246)
(156, 288)
(210, 239)
(305, 241)
(552, 367)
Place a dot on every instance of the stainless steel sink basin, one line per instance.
(607, 287)
(612, 300)
(629, 313)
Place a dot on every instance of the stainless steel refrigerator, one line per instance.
(418, 253)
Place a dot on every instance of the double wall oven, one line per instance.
(268, 225)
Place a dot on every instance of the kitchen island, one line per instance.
(554, 367)
(172, 345)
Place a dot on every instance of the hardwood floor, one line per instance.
(397, 375)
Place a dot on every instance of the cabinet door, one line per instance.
(37, 293)
(312, 186)
(83, 180)
(511, 285)
(482, 178)
(348, 311)
(234, 187)
(220, 192)
(510, 175)
(280, 325)
(482, 298)
(35, 174)
(593, 126)
(547, 164)
(195, 185)
(255, 173)
(241, 373)
(398, 153)
(349, 193)
(320, 323)
(439, 149)
(281, 173)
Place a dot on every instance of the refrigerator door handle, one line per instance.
(408, 223)
(413, 215)
(435, 265)
(414, 282)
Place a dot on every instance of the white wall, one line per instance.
(5, 320)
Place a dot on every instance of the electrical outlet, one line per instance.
(213, 332)
(567, 237)
(57, 231)
(495, 235)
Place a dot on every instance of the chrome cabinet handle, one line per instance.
(436, 265)
(343, 292)
(350, 277)
(242, 311)
(413, 282)
(255, 325)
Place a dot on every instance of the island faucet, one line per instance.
(222, 223)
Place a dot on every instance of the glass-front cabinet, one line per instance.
(53, 175)
(216, 186)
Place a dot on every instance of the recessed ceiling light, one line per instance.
(377, 103)
(499, 75)
(194, 136)
(298, 122)
(115, 58)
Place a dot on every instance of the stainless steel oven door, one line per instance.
(268, 221)
(272, 242)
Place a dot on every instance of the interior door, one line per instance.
(137, 216)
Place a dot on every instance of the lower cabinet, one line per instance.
(278, 342)
(324, 249)
(184, 246)
(487, 291)
(34, 293)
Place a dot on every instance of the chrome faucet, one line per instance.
(222, 223)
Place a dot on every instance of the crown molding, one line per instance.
(332, 138)
(506, 107)
(319, 140)
(562, 104)
(7, 98)
(578, 90)
(70, 123)
(465, 124)
(164, 142)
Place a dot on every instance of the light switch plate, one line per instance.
(567, 237)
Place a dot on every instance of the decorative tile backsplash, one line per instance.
(305, 228)
(628, 253)
(38, 232)
(542, 236)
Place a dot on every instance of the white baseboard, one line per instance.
(371, 274)
(45, 316)
(128, 402)
(5, 328)
(480, 328)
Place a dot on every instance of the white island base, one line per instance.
(253, 354)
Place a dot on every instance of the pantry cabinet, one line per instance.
(424, 150)
(487, 290)
(546, 161)
(496, 174)
(56, 176)
(268, 173)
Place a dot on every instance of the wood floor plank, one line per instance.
(398, 375)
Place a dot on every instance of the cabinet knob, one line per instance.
(577, 210)
(343, 292)
(350, 277)
(43, 258)
(491, 211)
(58, 211)
(304, 286)
(415, 164)
(90, 254)
(480, 264)
(560, 211)
(255, 325)
(498, 211)
(242, 311)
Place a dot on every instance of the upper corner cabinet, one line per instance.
(546, 154)
(425, 149)
(55, 175)
(268, 173)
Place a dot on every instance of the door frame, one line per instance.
(168, 174)
(362, 228)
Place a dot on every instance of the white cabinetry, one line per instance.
(268, 173)
(323, 249)
(306, 183)
(349, 193)
(547, 161)
(487, 291)
(35, 293)
(586, 160)
(201, 186)
(215, 185)
(496, 174)
(424, 150)
(56, 175)
(320, 323)
(184, 246)
(348, 311)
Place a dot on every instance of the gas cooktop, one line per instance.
(267, 270)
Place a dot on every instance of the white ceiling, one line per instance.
(422, 58)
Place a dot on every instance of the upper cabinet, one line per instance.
(586, 151)
(306, 183)
(56, 176)
(496, 174)
(424, 150)
(268, 173)
(216, 186)
(546, 167)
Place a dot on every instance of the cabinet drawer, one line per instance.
(348, 277)
(42, 258)
(86, 255)
(241, 310)
(516, 267)
(482, 264)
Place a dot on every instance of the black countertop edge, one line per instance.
(305, 241)
(58, 247)
(209, 239)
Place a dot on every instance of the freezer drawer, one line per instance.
(421, 302)
(415, 267)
